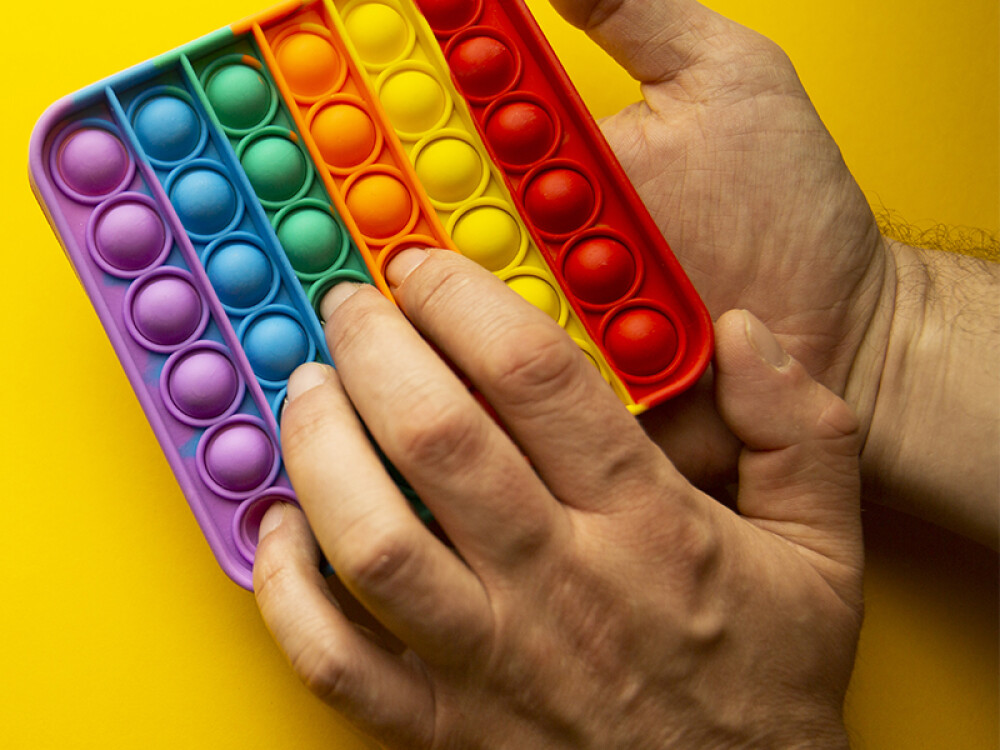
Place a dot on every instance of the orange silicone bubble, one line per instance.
(345, 135)
(381, 205)
(310, 64)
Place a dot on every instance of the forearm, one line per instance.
(927, 384)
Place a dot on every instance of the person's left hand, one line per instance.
(593, 598)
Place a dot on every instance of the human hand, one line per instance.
(753, 196)
(594, 597)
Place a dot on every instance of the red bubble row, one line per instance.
(607, 253)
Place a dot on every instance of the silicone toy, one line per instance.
(208, 199)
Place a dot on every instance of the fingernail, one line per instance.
(307, 377)
(764, 342)
(335, 298)
(403, 264)
(270, 521)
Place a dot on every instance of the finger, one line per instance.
(799, 473)
(376, 544)
(583, 443)
(376, 690)
(652, 39)
(468, 472)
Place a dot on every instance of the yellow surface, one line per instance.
(119, 629)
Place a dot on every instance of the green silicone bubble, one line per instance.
(311, 238)
(276, 168)
(240, 96)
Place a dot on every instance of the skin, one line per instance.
(753, 196)
(594, 597)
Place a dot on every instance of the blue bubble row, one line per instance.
(169, 128)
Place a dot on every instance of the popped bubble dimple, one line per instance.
(414, 101)
(489, 235)
(642, 341)
(539, 292)
(483, 66)
(275, 166)
(311, 238)
(129, 236)
(166, 309)
(167, 127)
(450, 170)
(240, 274)
(310, 64)
(521, 133)
(560, 200)
(345, 135)
(275, 343)
(599, 270)
(93, 162)
(447, 16)
(379, 33)
(238, 456)
(202, 383)
(240, 96)
(205, 200)
(380, 204)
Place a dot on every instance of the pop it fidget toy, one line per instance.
(208, 198)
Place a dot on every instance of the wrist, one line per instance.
(924, 384)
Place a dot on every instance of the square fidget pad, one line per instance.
(208, 198)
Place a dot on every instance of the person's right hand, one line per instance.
(753, 196)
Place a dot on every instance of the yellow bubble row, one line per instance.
(393, 44)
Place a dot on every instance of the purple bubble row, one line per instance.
(165, 313)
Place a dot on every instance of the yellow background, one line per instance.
(118, 629)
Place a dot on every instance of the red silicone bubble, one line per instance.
(483, 66)
(559, 201)
(448, 16)
(641, 341)
(599, 270)
(520, 133)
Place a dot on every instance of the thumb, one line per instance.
(798, 471)
(653, 41)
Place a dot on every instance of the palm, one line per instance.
(753, 196)
(750, 191)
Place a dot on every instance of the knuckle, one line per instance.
(438, 433)
(437, 293)
(377, 559)
(533, 363)
(324, 668)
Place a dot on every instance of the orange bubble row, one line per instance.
(366, 173)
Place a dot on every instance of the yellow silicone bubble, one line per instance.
(538, 292)
(379, 33)
(450, 170)
(414, 101)
(309, 63)
(488, 235)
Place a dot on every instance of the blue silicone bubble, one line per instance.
(240, 273)
(205, 200)
(167, 127)
(275, 343)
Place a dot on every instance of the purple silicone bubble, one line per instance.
(200, 384)
(129, 236)
(91, 162)
(237, 457)
(246, 521)
(164, 310)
